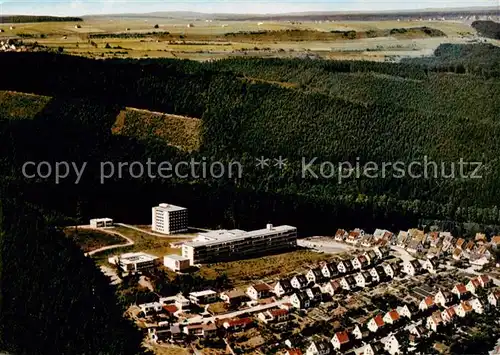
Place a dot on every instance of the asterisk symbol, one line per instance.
(280, 162)
(262, 162)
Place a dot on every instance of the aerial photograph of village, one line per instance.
(249, 177)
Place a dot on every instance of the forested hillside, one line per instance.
(444, 107)
(53, 293)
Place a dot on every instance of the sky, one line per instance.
(86, 7)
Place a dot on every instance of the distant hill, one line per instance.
(488, 29)
(315, 15)
(27, 19)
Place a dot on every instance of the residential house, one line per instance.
(469, 247)
(340, 235)
(367, 241)
(299, 282)
(315, 293)
(357, 333)
(434, 239)
(300, 300)
(477, 305)
(415, 246)
(377, 273)
(481, 238)
(315, 276)
(363, 279)
(460, 291)
(431, 265)
(463, 309)
(354, 236)
(319, 347)
(460, 243)
(373, 349)
(234, 297)
(448, 314)
(383, 234)
(344, 266)
(418, 330)
(294, 351)
(457, 254)
(473, 285)
(340, 340)
(392, 345)
(329, 270)
(391, 269)
(391, 317)
(333, 287)
(381, 252)
(360, 262)
(404, 311)
(283, 287)
(274, 316)
(412, 267)
(495, 242)
(238, 324)
(371, 256)
(259, 291)
(443, 298)
(376, 323)
(485, 281)
(427, 303)
(494, 298)
(348, 282)
(434, 321)
(447, 241)
(194, 330)
(209, 330)
(402, 239)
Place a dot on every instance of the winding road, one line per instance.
(108, 247)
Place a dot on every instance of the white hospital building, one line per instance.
(169, 219)
(221, 245)
(134, 262)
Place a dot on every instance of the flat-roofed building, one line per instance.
(101, 222)
(169, 219)
(176, 262)
(134, 262)
(221, 245)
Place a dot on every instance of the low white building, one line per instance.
(134, 262)
(101, 222)
(203, 297)
(176, 262)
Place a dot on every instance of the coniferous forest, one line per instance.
(444, 107)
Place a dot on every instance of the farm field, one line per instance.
(101, 37)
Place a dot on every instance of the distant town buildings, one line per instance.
(222, 245)
(169, 219)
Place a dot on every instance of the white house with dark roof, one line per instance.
(300, 300)
(299, 282)
(283, 287)
(329, 270)
(332, 287)
(315, 276)
(443, 298)
(348, 282)
(344, 266)
(363, 279)
(319, 347)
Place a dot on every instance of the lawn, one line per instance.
(244, 271)
(90, 240)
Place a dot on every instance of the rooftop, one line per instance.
(223, 235)
(203, 293)
(169, 208)
(136, 257)
(176, 257)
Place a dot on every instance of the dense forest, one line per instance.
(53, 293)
(28, 18)
(488, 29)
(445, 107)
(335, 111)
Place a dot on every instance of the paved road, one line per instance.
(108, 247)
(253, 309)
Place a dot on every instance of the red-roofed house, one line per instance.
(293, 352)
(448, 314)
(460, 290)
(391, 317)
(376, 323)
(484, 280)
(473, 285)
(340, 340)
(238, 324)
(427, 303)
